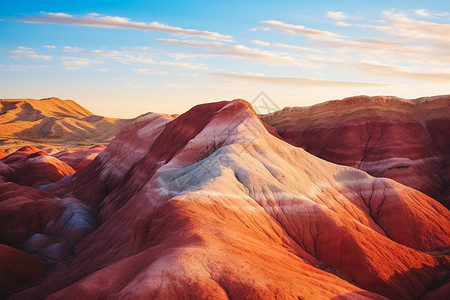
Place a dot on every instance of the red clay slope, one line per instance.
(18, 269)
(405, 140)
(23, 212)
(211, 205)
(78, 159)
(32, 167)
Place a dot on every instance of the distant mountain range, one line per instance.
(53, 122)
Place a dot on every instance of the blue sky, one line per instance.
(125, 58)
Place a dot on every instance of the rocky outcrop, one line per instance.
(405, 140)
(212, 205)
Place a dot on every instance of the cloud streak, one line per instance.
(336, 15)
(95, 20)
(237, 51)
(428, 14)
(294, 81)
(75, 63)
(392, 70)
(284, 46)
(125, 57)
(416, 30)
(29, 52)
(302, 30)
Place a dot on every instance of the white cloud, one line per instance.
(342, 24)
(199, 44)
(50, 46)
(75, 63)
(237, 51)
(103, 70)
(336, 15)
(70, 49)
(150, 72)
(149, 61)
(300, 29)
(261, 43)
(23, 68)
(29, 52)
(284, 46)
(294, 81)
(393, 70)
(422, 12)
(416, 30)
(95, 20)
(427, 13)
(125, 57)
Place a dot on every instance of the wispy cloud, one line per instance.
(150, 72)
(302, 30)
(294, 81)
(199, 44)
(29, 52)
(342, 24)
(416, 30)
(429, 14)
(392, 70)
(126, 57)
(96, 20)
(336, 15)
(237, 51)
(50, 46)
(75, 63)
(149, 61)
(284, 46)
(22, 67)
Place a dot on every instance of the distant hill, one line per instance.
(53, 122)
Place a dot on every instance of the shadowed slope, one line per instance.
(18, 269)
(212, 205)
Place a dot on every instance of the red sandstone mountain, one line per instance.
(405, 140)
(213, 205)
(54, 122)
